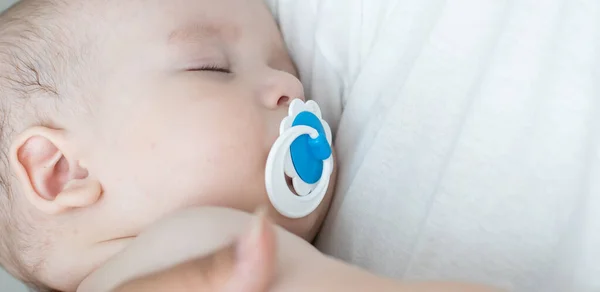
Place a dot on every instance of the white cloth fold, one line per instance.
(468, 135)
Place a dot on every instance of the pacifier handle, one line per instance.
(320, 147)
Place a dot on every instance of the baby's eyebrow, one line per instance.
(202, 31)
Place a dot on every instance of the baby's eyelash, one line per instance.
(213, 68)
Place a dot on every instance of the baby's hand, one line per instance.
(248, 265)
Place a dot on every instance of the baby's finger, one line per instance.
(246, 266)
(255, 262)
(199, 275)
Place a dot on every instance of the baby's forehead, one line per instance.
(203, 30)
(181, 18)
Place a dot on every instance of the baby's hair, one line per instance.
(30, 56)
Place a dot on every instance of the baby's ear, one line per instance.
(49, 174)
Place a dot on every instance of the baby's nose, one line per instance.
(279, 88)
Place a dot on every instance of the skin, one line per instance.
(178, 108)
(243, 260)
(247, 265)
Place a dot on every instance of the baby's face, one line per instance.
(188, 100)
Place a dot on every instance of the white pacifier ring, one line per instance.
(310, 180)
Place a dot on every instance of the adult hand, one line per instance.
(248, 265)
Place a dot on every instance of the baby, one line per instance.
(119, 113)
(135, 136)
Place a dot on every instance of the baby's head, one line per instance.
(117, 113)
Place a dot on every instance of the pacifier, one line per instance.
(303, 153)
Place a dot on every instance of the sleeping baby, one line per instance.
(119, 113)
(135, 136)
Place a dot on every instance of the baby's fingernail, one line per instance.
(258, 224)
(261, 211)
(249, 242)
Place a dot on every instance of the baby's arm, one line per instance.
(199, 232)
(191, 234)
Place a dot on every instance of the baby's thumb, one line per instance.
(255, 258)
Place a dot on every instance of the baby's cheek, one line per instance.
(230, 178)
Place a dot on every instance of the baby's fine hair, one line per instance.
(34, 55)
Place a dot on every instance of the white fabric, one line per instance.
(469, 139)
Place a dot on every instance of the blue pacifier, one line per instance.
(303, 153)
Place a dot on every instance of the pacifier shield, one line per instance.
(303, 153)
